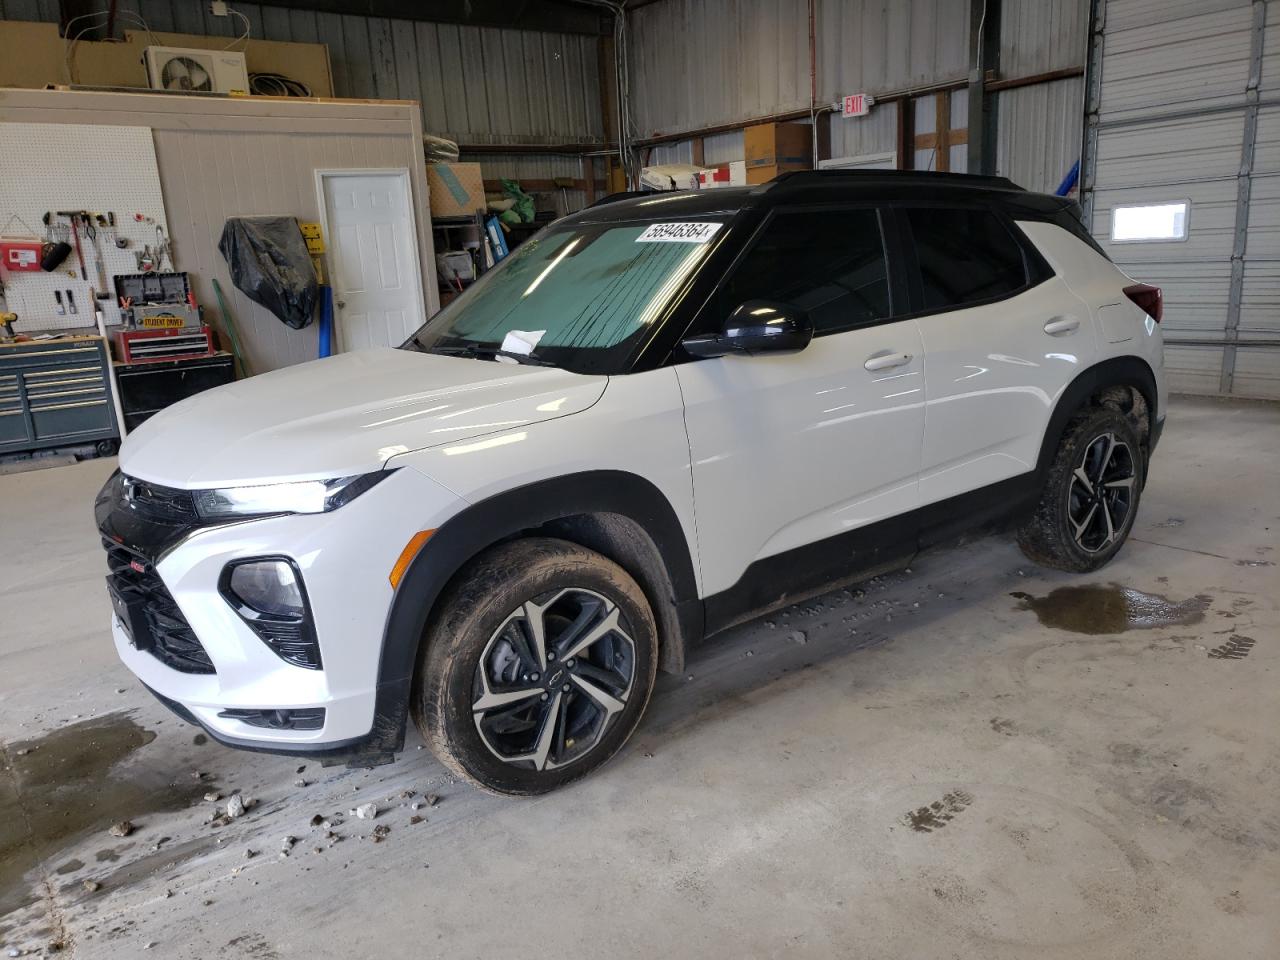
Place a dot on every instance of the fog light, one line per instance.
(269, 596)
(268, 586)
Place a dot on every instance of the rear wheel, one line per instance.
(1090, 496)
(538, 667)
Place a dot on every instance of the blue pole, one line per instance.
(326, 320)
(1069, 180)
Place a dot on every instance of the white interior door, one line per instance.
(373, 257)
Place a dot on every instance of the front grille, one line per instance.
(166, 635)
(160, 504)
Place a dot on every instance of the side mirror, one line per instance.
(757, 326)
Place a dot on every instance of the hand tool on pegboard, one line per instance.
(91, 232)
(74, 216)
(122, 243)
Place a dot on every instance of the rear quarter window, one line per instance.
(965, 257)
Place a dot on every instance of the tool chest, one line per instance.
(148, 387)
(55, 393)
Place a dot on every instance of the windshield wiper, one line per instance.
(479, 351)
(528, 359)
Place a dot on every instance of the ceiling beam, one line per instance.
(555, 16)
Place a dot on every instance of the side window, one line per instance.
(965, 256)
(831, 263)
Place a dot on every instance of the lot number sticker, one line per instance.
(678, 233)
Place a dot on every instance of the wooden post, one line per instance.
(942, 129)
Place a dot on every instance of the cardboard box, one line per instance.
(455, 189)
(774, 148)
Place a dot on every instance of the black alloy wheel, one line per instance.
(552, 678)
(536, 666)
(1100, 494)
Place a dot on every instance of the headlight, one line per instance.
(307, 496)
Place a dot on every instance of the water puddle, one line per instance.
(1111, 608)
(65, 784)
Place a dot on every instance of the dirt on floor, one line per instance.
(974, 758)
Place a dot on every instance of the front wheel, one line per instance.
(1090, 496)
(537, 668)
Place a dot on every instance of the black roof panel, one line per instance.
(806, 185)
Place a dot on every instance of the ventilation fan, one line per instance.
(186, 70)
(183, 73)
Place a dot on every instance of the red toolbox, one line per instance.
(139, 346)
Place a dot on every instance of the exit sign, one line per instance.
(858, 105)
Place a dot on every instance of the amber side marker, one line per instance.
(415, 544)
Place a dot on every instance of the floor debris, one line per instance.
(121, 829)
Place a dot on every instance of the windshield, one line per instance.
(578, 296)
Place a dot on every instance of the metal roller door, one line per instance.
(1182, 158)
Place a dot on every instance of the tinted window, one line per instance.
(830, 263)
(966, 256)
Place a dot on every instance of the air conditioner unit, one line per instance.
(187, 70)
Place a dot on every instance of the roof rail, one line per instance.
(800, 178)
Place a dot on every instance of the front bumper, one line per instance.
(344, 558)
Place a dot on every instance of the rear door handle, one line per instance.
(883, 361)
(1062, 325)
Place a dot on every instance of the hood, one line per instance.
(345, 415)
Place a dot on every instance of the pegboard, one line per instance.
(63, 166)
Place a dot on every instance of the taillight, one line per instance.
(1148, 298)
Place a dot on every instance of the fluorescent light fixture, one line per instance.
(1150, 222)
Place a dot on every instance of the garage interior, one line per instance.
(972, 757)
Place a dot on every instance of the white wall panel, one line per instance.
(1038, 132)
(877, 132)
(1037, 36)
(700, 63)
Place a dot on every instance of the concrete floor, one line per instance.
(932, 772)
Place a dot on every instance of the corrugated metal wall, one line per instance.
(475, 84)
(1037, 36)
(696, 63)
(699, 63)
(1038, 132)
(1175, 118)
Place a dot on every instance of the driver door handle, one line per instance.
(887, 360)
(1062, 325)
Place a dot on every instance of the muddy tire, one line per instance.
(537, 667)
(1090, 496)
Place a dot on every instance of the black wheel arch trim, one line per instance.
(1126, 371)
(505, 515)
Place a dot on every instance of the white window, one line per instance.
(1150, 222)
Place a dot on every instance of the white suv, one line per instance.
(659, 417)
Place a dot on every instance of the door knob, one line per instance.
(1061, 325)
(883, 361)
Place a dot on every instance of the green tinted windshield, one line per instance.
(586, 294)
